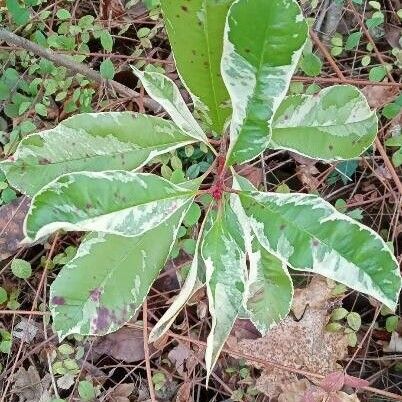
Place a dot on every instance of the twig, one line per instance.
(146, 351)
(73, 66)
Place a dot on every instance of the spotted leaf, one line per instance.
(309, 234)
(195, 30)
(262, 46)
(334, 124)
(107, 281)
(223, 252)
(116, 202)
(90, 142)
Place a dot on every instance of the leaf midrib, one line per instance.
(293, 224)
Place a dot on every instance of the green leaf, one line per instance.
(194, 281)
(195, 32)
(164, 91)
(19, 14)
(339, 314)
(391, 323)
(90, 142)
(193, 215)
(353, 40)
(3, 295)
(109, 278)
(354, 321)
(63, 14)
(377, 74)
(86, 390)
(269, 288)
(223, 252)
(107, 70)
(262, 46)
(21, 268)
(114, 202)
(334, 124)
(311, 64)
(309, 234)
(106, 40)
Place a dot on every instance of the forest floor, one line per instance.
(357, 42)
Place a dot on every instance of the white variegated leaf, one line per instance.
(194, 281)
(262, 45)
(117, 202)
(109, 278)
(269, 288)
(309, 234)
(90, 142)
(224, 256)
(335, 124)
(164, 91)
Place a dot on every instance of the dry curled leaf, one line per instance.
(184, 392)
(11, 221)
(302, 344)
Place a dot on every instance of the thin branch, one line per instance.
(74, 67)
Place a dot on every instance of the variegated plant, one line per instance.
(236, 58)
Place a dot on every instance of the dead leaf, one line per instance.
(378, 96)
(126, 344)
(355, 382)
(11, 220)
(25, 330)
(184, 392)
(66, 381)
(29, 387)
(302, 344)
(304, 391)
(333, 381)
(178, 355)
(252, 173)
(184, 358)
(111, 9)
(393, 35)
(394, 345)
(120, 393)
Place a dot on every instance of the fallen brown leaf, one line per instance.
(304, 391)
(184, 392)
(120, 393)
(378, 96)
(11, 220)
(126, 344)
(302, 344)
(29, 387)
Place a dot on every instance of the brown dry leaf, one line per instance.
(252, 173)
(111, 9)
(378, 96)
(304, 391)
(184, 358)
(29, 387)
(184, 393)
(11, 220)
(306, 170)
(120, 393)
(126, 344)
(302, 344)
